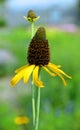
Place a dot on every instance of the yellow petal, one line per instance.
(52, 74)
(36, 81)
(28, 72)
(60, 71)
(58, 66)
(56, 70)
(64, 74)
(21, 68)
(17, 78)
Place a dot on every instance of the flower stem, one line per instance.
(38, 108)
(33, 91)
(35, 118)
(32, 28)
(33, 104)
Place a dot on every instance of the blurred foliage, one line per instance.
(2, 23)
(2, 1)
(3, 70)
(78, 11)
(60, 106)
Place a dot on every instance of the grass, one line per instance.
(59, 105)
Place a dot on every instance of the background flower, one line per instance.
(20, 120)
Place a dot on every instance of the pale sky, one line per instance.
(19, 4)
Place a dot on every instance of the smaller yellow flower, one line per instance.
(20, 120)
(31, 17)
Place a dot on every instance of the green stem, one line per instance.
(33, 103)
(35, 118)
(33, 92)
(38, 109)
(32, 28)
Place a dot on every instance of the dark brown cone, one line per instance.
(31, 14)
(38, 52)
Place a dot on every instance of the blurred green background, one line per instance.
(60, 106)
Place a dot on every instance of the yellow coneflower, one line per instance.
(20, 120)
(31, 17)
(38, 57)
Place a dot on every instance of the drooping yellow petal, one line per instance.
(58, 72)
(28, 72)
(17, 78)
(25, 72)
(52, 74)
(58, 66)
(36, 80)
(65, 74)
(62, 72)
(21, 68)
